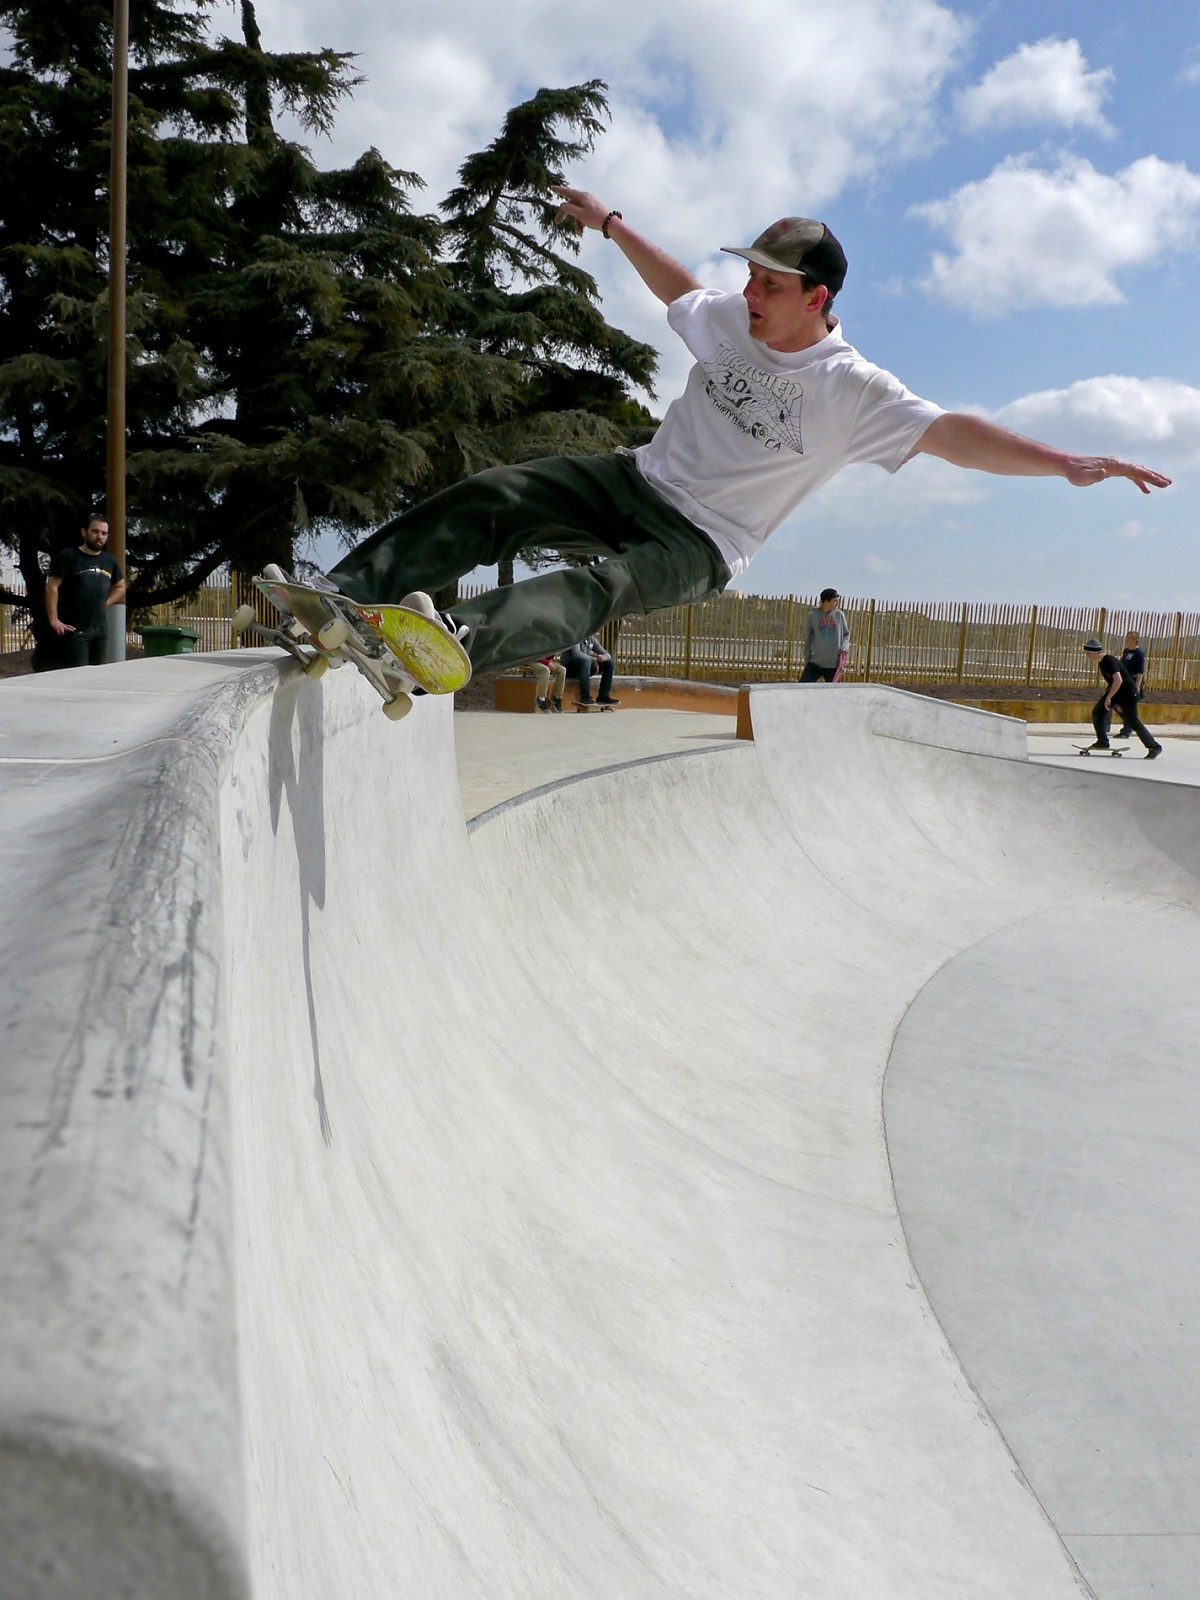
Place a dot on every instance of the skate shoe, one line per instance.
(418, 600)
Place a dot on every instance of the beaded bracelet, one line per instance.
(607, 220)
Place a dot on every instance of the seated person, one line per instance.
(581, 661)
(545, 668)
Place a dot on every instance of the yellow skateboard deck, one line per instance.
(436, 660)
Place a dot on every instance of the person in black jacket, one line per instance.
(1133, 659)
(1119, 691)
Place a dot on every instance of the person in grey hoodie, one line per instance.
(826, 640)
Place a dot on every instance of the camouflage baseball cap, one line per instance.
(800, 245)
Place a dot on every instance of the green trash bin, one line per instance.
(167, 639)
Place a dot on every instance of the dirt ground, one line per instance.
(479, 695)
(16, 663)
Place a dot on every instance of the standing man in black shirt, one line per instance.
(1118, 691)
(83, 581)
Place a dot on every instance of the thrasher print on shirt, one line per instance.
(764, 405)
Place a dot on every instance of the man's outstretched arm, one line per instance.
(661, 274)
(967, 441)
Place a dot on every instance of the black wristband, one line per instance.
(607, 220)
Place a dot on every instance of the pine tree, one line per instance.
(517, 295)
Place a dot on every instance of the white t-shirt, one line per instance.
(757, 430)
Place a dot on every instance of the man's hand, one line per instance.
(661, 273)
(1086, 470)
(60, 627)
(583, 208)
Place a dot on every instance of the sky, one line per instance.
(1016, 186)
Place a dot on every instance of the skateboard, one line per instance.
(1089, 750)
(396, 650)
(594, 705)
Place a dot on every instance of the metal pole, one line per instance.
(115, 492)
(1033, 616)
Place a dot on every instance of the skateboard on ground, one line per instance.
(595, 705)
(1090, 750)
(396, 650)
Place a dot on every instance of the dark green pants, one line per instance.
(650, 556)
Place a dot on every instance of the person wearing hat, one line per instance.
(1120, 691)
(776, 403)
(826, 640)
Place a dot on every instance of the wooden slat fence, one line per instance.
(739, 638)
(753, 638)
(207, 611)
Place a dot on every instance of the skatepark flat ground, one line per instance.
(501, 756)
(496, 1156)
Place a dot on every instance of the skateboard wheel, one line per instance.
(317, 667)
(241, 620)
(399, 706)
(335, 633)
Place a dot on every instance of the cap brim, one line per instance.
(762, 259)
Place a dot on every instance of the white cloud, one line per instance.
(1133, 530)
(1061, 236)
(757, 111)
(1156, 420)
(721, 121)
(1039, 83)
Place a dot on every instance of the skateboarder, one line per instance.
(1119, 690)
(776, 404)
